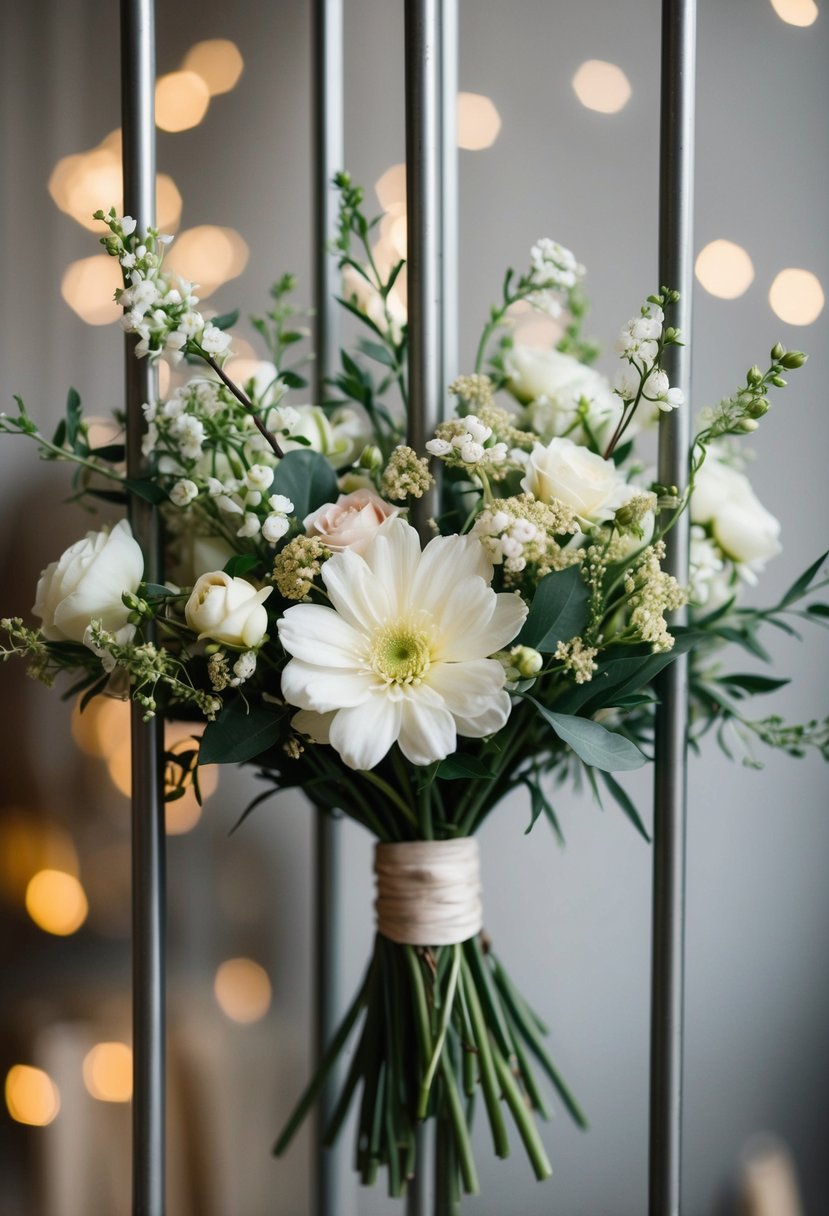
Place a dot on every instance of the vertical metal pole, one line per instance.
(327, 109)
(431, 204)
(670, 779)
(424, 162)
(148, 877)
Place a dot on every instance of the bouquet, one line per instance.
(412, 686)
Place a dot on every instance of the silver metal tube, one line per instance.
(423, 206)
(148, 843)
(670, 778)
(327, 109)
(450, 278)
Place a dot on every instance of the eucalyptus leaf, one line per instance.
(239, 734)
(801, 585)
(624, 800)
(239, 565)
(150, 491)
(557, 612)
(307, 479)
(459, 766)
(624, 670)
(593, 743)
(226, 320)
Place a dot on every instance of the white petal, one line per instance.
(321, 637)
(316, 726)
(493, 632)
(364, 734)
(462, 620)
(487, 723)
(445, 561)
(323, 689)
(427, 732)
(467, 688)
(393, 556)
(356, 592)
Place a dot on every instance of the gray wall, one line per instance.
(574, 923)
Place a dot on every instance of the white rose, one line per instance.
(740, 524)
(351, 521)
(227, 610)
(87, 584)
(551, 384)
(340, 437)
(590, 485)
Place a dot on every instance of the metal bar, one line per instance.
(449, 192)
(148, 862)
(423, 206)
(327, 118)
(670, 777)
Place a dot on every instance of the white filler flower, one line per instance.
(402, 654)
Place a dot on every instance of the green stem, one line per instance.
(391, 794)
(523, 1118)
(463, 1142)
(440, 1039)
(489, 1083)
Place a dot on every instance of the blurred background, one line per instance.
(559, 135)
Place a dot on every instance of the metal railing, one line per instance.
(431, 75)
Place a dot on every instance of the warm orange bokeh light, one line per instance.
(602, 86)
(209, 256)
(181, 101)
(56, 902)
(88, 286)
(242, 989)
(107, 1072)
(28, 844)
(724, 269)
(796, 296)
(478, 121)
(218, 61)
(31, 1095)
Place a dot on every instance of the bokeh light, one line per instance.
(82, 183)
(602, 86)
(796, 296)
(56, 902)
(724, 269)
(107, 1072)
(28, 844)
(242, 989)
(31, 1095)
(88, 286)
(390, 189)
(218, 61)
(208, 255)
(181, 101)
(478, 121)
(796, 12)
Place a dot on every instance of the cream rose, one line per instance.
(551, 384)
(87, 584)
(227, 610)
(740, 524)
(351, 521)
(590, 485)
(340, 436)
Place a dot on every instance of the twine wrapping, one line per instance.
(428, 891)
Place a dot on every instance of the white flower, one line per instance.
(128, 225)
(593, 487)
(351, 522)
(259, 477)
(402, 654)
(274, 528)
(183, 492)
(339, 438)
(711, 582)
(250, 525)
(244, 667)
(87, 584)
(551, 384)
(228, 610)
(280, 503)
(438, 447)
(740, 524)
(214, 341)
(471, 452)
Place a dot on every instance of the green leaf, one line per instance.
(626, 803)
(226, 320)
(59, 437)
(240, 564)
(150, 491)
(459, 766)
(113, 452)
(377, 352)
(539, 805)
(154, 591)
(624, 670)
(307, 479)
(801, 585)
(557, 612)
(73, 418)
(818, 610)
(753, 683)
(239, 734)
(292, 380)
(593, 743)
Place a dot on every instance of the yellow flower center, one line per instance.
(400, 654)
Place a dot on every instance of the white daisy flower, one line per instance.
(402, 654)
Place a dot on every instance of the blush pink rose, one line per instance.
(351, 521)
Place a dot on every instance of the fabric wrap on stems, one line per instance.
(428, 891)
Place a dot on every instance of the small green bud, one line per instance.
(778, 382)
(777, 352)
(758, 408)
(793, 359)
(754, 376)
(526, 661)
(370, 458)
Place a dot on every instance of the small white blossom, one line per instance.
(274, 528)
(250, 525)
(280, 503)
(438, 447)
(471, 452)
(214, 341)
(259, 477)
(243, 668)
(183, 492)
(128, 225)
(229, 505)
